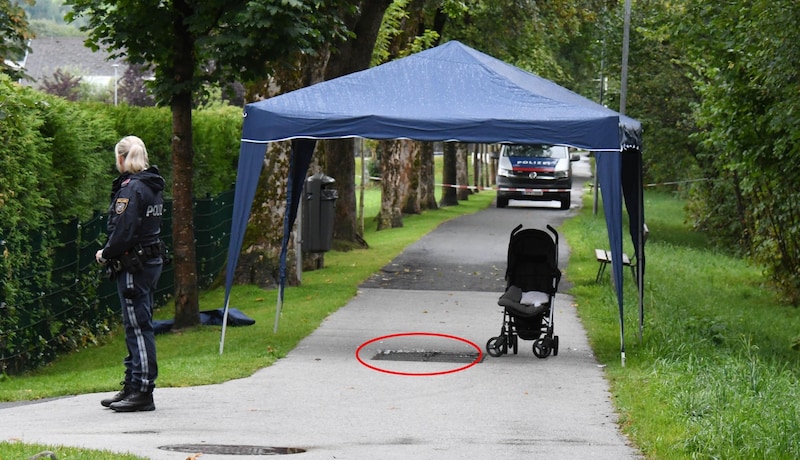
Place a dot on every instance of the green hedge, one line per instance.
(56, 168)
(216, 135)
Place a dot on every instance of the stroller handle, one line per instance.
(549, 227)
(553, 231)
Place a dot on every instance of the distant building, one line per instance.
(49, 54)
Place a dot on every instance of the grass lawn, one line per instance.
(716, 374)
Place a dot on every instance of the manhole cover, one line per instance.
(427, 356)
(231, 449)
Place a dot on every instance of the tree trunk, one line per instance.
(449, 197)
(462, 172)
(427, 177)
(494, 155)
(187, 309)
(476, 167)
(391, 178)
(486, 180)
(341, 165)
(259, 260)
(410, 172)
(354, 55)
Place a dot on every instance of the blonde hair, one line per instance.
(134, 155)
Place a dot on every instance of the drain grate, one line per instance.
(223, 449)
(427, 356)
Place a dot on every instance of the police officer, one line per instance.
(133, 255)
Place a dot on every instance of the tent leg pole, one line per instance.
(641, 297)
(278, 309)
(595, 189)
(640, 260)
(622, 340)
(224, 324)
(298, 242)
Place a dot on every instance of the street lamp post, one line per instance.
(115, 66)
(626, 27)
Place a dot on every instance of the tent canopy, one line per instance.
(451, 92)
(447, 93)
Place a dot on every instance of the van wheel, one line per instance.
(565, 201)
(502, 202)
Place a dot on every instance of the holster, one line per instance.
(131, 260)
(113, 267)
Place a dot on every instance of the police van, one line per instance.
(535, 172)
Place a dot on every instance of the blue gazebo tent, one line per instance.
(448, 93)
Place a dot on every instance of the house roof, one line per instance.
(69, 54)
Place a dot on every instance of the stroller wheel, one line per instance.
(514, 344)
(540, 348)
(497, 346)
(554, 346)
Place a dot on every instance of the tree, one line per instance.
(531, 37)
(353, 55)
(400, 173)
(407, 167)
(392, 155)
(462, 171)
(746, 56)
(14, 36)
(63, 84)
(132, 88)
(188, 44)
(259, 261)
(449, 175)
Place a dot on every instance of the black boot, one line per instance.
(121, 394)
(135, 401)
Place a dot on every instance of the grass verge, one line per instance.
(716, 374)
(17, 450)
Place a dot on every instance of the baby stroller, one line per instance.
(532, 278)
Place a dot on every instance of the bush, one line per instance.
(79, 142)
(56, 168)
(24, 206)
(216, 136)
(24, 213)
(154, 126)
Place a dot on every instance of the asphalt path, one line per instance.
(368, 384)
(468, 253)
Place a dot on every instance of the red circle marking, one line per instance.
(419, 374)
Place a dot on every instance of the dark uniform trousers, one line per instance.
(136, 292)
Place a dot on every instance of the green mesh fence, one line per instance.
(74, 302)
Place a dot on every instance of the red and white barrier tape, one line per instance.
(506, 189)
(688, 181)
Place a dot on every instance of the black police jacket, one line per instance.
(134, 216)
